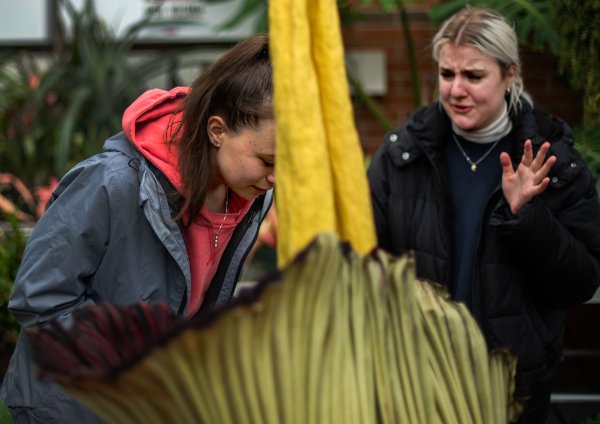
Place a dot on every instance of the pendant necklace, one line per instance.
(478, 161)
(216, 244)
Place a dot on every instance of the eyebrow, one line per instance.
(467, 70)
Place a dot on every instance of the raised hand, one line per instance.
(530, 178)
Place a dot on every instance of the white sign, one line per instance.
(24, 22)
(173, 20)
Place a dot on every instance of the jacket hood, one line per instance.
(146, 124)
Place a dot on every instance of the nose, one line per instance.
(271, 178)
(457, 89)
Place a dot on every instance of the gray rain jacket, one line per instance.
(106, 236)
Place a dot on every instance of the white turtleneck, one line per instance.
(495, 131)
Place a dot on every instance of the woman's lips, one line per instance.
(461, 109)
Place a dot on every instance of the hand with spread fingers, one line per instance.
(530, 179)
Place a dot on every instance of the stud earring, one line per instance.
(214, 143)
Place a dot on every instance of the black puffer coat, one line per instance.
(529, 268)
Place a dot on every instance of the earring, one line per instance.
(508, 90)
(214, 143)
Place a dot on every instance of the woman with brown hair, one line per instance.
(166, 213)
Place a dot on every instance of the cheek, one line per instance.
(246, 172)
(446, 93)
(444, 88)
(488, 94)
(230, 166)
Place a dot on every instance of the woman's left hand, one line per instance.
(529, 180)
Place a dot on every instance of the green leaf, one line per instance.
(388, 5)
(375, 110)
(66, 129)
(5, 417)
(443, 11)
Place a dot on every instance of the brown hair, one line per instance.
(238, 88)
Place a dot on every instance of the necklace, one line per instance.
(478, 161)
(224, 216)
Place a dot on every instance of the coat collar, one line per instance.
(429, 127)
(423, 134)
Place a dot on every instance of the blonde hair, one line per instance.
(491, 34)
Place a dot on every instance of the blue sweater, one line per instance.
(470, 192)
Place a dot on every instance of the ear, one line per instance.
(215, 127)
(511, 73)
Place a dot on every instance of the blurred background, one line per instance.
(68, 69)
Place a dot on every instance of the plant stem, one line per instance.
(410, 50)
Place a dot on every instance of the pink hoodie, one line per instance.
(145, 122)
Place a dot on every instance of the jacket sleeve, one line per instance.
(65, 248)
(379, 186)
(558, 246)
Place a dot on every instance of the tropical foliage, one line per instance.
(18, 200)
(60, 109)
(12, 244)
(577, 23)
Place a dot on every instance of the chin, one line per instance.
(461, 121)
(464, 126)
(248, 194)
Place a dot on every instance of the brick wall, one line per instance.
(384, 32)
